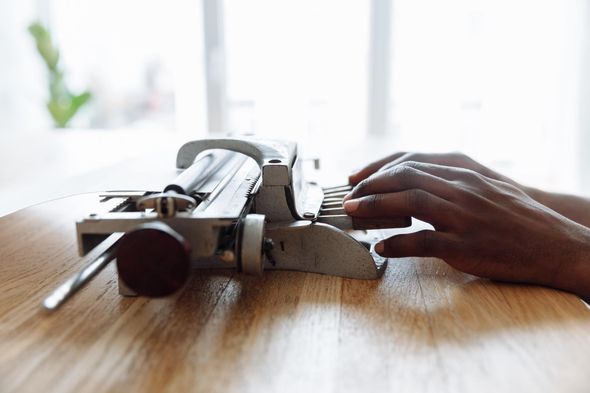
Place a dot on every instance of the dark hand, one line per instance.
(483, 226)
(574, 207)
(457, 160)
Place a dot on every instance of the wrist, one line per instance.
(575, 274)
(581, 286)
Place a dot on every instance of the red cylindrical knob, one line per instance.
(153, 260)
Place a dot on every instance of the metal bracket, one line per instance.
(284, 194)
(321, 248)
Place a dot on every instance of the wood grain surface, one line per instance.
(423, 327)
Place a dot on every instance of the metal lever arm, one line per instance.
(275, 158)
(69, 288)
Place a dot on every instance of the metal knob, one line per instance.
(166, 204)
(251, 250)
(153, 260)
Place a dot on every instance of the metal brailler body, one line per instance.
(239, 203)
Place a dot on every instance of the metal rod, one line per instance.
(340, 194)
(345, 187)
(80, 279)
(195, 175)
(328, 205)
(332, 200)
(332, 211)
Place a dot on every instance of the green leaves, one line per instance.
(62, 104)
(48, 52)
(62, 111)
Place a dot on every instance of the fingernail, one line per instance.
(347, 197)
(351, 206)
(379, 248)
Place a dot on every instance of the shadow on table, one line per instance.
(225, 324)
(441, 304)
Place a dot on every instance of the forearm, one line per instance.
(574, 276)
(574, 207)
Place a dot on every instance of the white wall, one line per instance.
(498, 79)
(584, 104)
(23, 83)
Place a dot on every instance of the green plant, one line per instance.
(62, 104)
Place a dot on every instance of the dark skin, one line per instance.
(485, 224)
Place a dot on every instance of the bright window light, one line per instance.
(297, 69)
(497, 79)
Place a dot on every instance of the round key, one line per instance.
(153, 260)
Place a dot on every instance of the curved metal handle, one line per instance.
(275, 158)
(261, 150)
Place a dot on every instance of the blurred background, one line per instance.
(504, 81)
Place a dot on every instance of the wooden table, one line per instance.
(423, 327)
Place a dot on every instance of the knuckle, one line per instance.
(387, 167)
(417, 200)
(459, 155)
(415, 158)
(488, 192)
(471, 177)
(462, 195)
(395, 160)
(373, 202)
(428, 242)
(403, 171)
(407, 155)
(460, 159)
(360, 188)
(413, 164)
(399, 156)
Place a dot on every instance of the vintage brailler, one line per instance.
(239, 203)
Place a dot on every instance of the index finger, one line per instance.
(402, 178)
(368, 170)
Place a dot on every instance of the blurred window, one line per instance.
(141, 58)
(502, 80)
(297, 68)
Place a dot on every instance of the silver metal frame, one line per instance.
(245, 215)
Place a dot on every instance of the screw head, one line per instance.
(268, 244)
(308, 215)
(227, 256)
